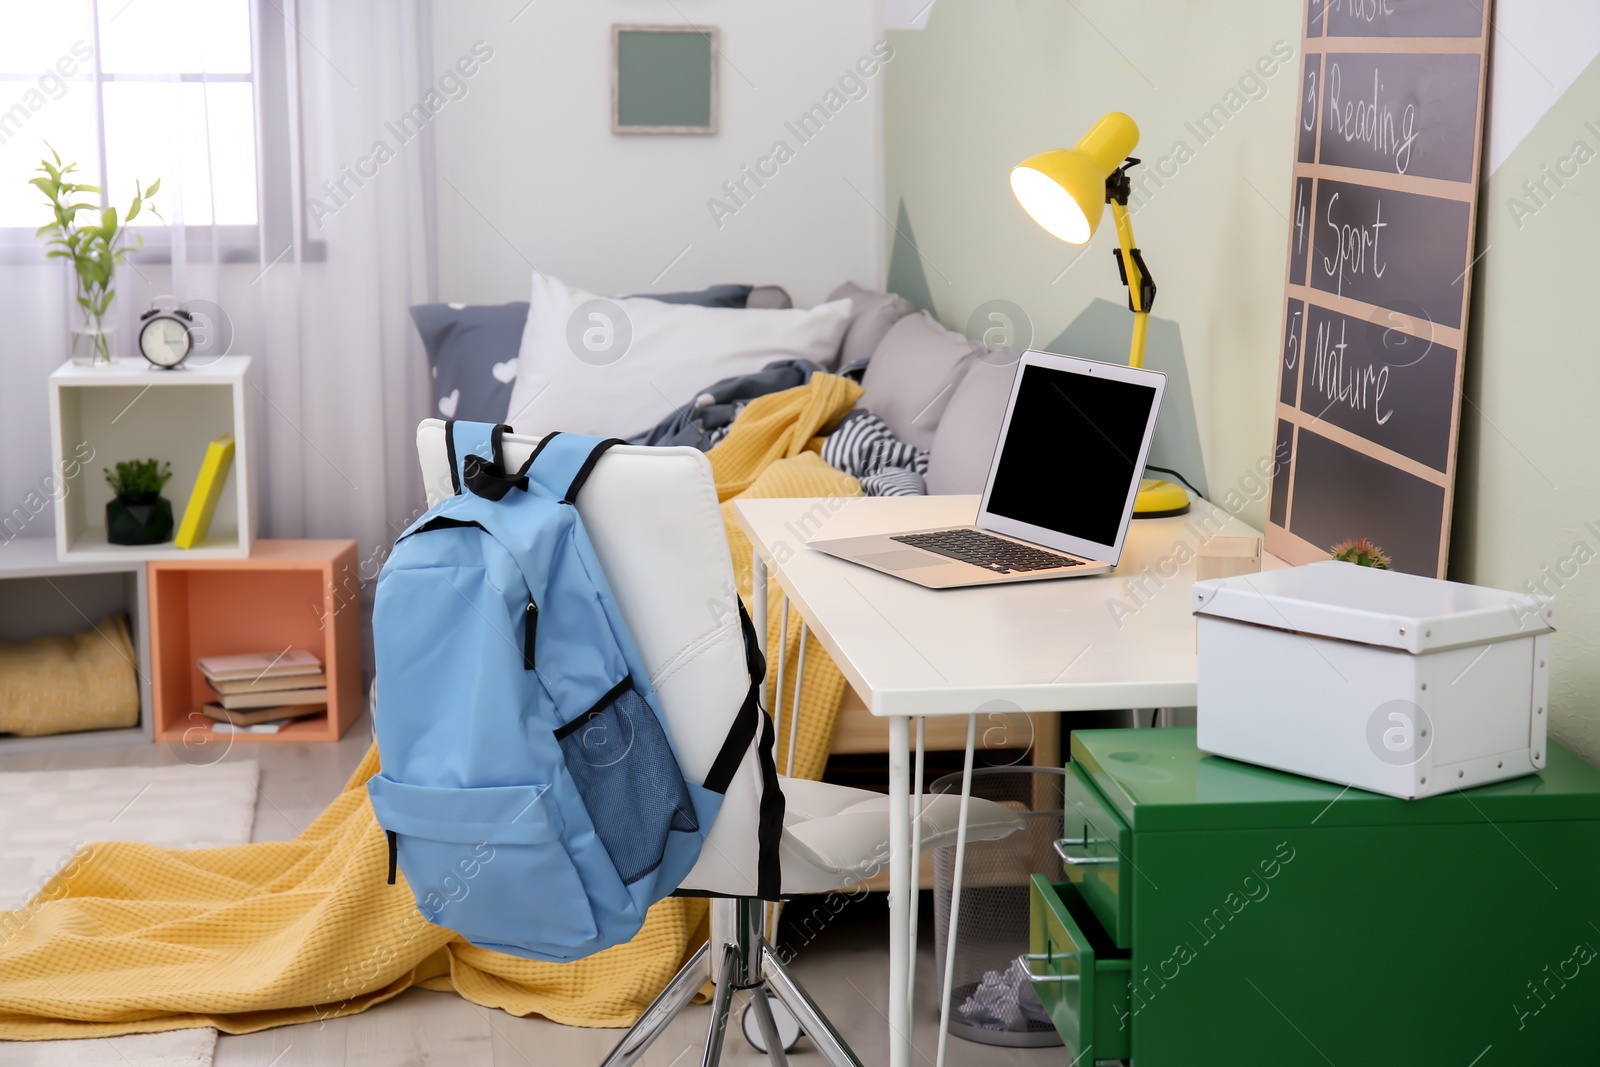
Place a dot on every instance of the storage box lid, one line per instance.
(1375, 607)
(1160, 780)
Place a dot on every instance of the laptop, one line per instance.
(1060, 490)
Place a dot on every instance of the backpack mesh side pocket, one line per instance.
(629, 779)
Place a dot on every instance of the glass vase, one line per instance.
(94, 345)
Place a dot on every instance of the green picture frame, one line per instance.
(664, 79)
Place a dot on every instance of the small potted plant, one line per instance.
(138, 514)
(1361, 552)
(95, 249)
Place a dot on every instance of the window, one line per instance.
(134, 90)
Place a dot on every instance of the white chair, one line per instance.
(653, 516)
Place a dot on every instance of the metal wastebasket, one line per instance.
(994, 1003)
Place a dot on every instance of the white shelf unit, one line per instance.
(41, 596)
(100, 416)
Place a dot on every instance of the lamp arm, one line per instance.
(1135, 275)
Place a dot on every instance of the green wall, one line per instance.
(1528, 478)
(990, 82)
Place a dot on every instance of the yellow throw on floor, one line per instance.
(131, 938)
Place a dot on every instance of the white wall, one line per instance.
(529, 173)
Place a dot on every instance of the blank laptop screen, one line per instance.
(1067, 460)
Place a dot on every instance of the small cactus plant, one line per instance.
(1361, 552)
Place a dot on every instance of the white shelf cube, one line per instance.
(100, 416)
(41, 596)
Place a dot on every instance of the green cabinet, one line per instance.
(1247, 916)
(1096, 850)
(1081, 977)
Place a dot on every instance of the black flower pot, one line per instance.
(145, 520)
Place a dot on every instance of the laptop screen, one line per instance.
(1067, 461)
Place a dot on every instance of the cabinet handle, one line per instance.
(1080, 861)
(1027, 960)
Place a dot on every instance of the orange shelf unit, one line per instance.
(300, 594)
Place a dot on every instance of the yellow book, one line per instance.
(196, 522)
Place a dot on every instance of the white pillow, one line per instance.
(616, 367)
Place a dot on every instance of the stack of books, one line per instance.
(261, 692)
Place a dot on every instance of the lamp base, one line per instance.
(1160, 499)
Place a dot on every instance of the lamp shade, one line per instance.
(1064, 190)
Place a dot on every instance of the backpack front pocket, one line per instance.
(629, 779)
(501, 847)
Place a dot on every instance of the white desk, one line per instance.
(1123, 640)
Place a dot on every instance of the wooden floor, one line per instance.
(845, 965)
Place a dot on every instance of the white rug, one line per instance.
(46, 815)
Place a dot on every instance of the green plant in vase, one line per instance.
(1361, 552)
(96, 248)
(138, 514)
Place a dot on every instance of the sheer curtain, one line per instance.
(312, 277)
(344, 377)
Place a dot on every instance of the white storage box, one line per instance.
(1391, 682)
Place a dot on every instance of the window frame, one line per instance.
(280, 222)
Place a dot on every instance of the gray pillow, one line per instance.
(472, 348)
(871, 316)
(912, 375)
(473, 352)
(774, 297)
(963, 446)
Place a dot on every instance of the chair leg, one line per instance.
(769, 1026)
(812, 1021)
(761, 966)
(721, 1006)
(671, 1000)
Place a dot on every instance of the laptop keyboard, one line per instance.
(987, 551)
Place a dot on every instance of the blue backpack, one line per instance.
(529, 790)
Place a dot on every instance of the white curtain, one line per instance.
(343, 373)
(320, 300)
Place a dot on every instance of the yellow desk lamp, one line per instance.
(1065, 190)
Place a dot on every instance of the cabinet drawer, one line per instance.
(1096, 850)
(1081, 978)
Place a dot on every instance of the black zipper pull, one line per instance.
(528, 635)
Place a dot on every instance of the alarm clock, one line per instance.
(166, 335)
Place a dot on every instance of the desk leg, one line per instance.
(758, 597)
(947, 994)
(916, 860)
(901, 866)
(777, 707)
(799, 685)
(783, 656)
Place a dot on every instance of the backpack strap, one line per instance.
(751, 718)
(469, 440)
(565, 461)
(488, 476)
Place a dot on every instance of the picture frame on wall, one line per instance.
(664, 79)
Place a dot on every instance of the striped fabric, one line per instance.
(863, 446)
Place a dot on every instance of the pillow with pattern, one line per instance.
(473, 352)
(472, 348)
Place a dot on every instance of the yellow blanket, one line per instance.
(130, 938)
